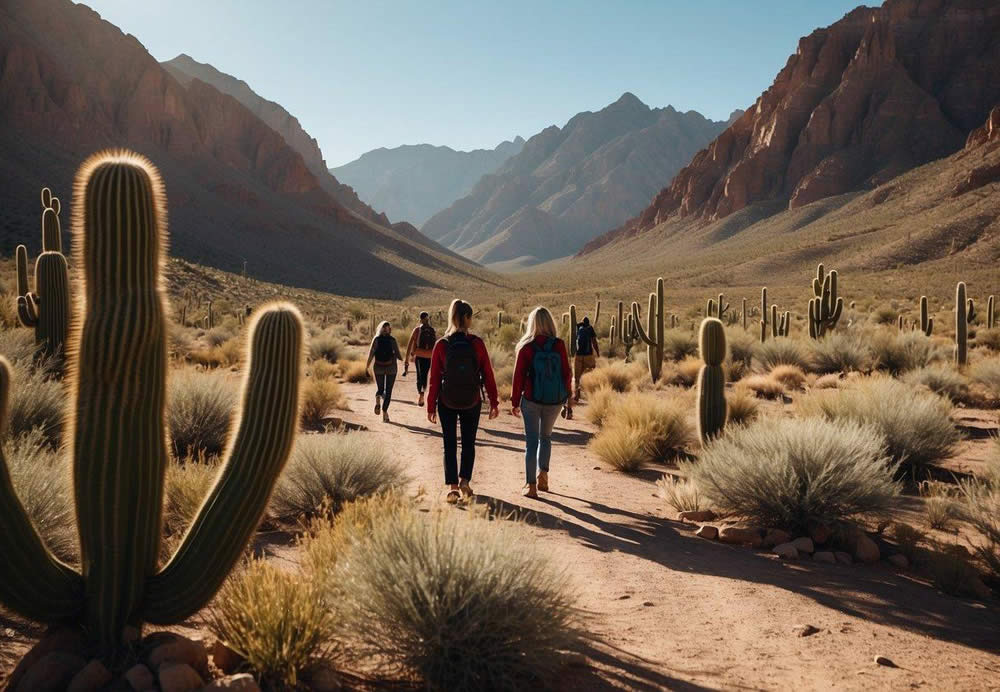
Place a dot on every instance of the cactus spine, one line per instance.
(826, 307)
(711, 387)
(117, 440)
(652, 335)
(926, 321)
(961, 326)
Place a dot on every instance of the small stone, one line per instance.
(172, 647)
(786, 551)
(224, 658)
(898, 561)
(865, 549)
(597, 468)
(179, 677)
(57, 638)
(885, 661)
(51, 673)
(242, 682)
(325, 680)
(843, 558)
(93, 677)
(826, 557)
(708, 532)
(648, 604)
(819, 533)
(697, 516)
(738, 535)
(805, 630)
(140, 677)
(775, 537)
(804, 544)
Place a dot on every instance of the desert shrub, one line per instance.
(828, 381)
(325, 471)
(276, 620)
(508, 335)
(683, 373)
(986, 372)
(681, 494)
(39, 475)
(885, 315)
(319, 397)
(505, 381)
(898, 352)
(781, 351)
(325, 346)
(226, 354)
(199, 411)
(741, 346)
(788, 473)
(458, 601)
(36, 403)
(356, 371)
(323, 370)
(17, 345)
(185, 488)
(916, 424)
(980, 507)
(908, 539)
(640, 429)
(617, 376)
(218, 336)
(988, 338)
(741, 406)
(838, 352)
(763, 386)
(790, 376)
(678, 344)
(940, 379)
(941, 512)
(599, 405)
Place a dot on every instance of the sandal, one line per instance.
(529, 491)
(543, 481)
(465, 488)
(452, 497)
(378, 404)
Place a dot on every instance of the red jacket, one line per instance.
(437, 372)
(523, 383)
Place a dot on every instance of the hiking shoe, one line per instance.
(452, 497)
(543, 481)
(465, 488)
(420, 400)
(530, 491)
(385, 416)
(378, 404)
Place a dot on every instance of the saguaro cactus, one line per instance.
(743, 314)
(652, 335)
(961, 325)
(763, 314)
(825, 309)
(926, 321)
(990, 314)
(118, 442)
(711, 387)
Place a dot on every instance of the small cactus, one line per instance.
(653, 334)
(711, 386)
(961, 325)
(743, 314)
(990, 313)
(763, 314)
(826, 307)
(926, 321)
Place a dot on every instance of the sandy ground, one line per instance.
(677, 612)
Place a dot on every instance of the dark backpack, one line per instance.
(547, 385)
(384, 352)
(461, 379)
(427, 337)
(584, 340)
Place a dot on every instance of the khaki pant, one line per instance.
(581, 365)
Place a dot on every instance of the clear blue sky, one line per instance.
(362, 74)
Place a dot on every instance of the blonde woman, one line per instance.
(384, 352)
(542, 383)
(460, 368)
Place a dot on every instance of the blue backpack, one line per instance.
(547, 385)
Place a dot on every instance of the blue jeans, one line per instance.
(539, 419)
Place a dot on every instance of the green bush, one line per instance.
(787, 473)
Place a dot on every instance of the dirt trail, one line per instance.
(675, 611)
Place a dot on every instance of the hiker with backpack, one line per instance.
(419, 350)
(460, 369)
(384, 352)
(587, 352)
(541, 389)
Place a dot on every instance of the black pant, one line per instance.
(384, 382)
(423, 369)
(469, 419)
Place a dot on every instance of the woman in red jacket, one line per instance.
(542, 383)
(460, 367)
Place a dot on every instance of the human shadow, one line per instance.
(428, 431)
(568, 437)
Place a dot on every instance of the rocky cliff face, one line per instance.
(187, 70)
(71, 83)
(414, 182)
(569, 184)
(880, 91)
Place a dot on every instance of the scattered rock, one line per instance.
(974, 585)
(707, 531)
(843, 558)
(804, 544)
(93, 677)
(899, 561)
(224, 658)
(51, 673)
(865, 549)
(325, 680)
(172, 647)
(775, 537)
(648, 604)
(819, 533)
(179, 677)
(805, 630)
(140, 678)
(242, 682)
(697, 516)
(57, 638)
(826, 557)
(786, 551)
(885, 661)
(597, 468)
(738, 535)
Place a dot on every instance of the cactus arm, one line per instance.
(21, 261)
(46, 198)
(27, 312)
(33, 583)
(637, 322)
(266, 429)
(51, 233)
(970, 313)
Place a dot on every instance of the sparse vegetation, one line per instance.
(790, 376)
(199, 411)
(899, 352)
(742, 405)
(839, 352)
(681, 494)
(642, 428)
(940, 379)
(319, 398)
(781, 351)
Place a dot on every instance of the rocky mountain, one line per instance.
(414, 181)
(71, 83)
(875, 94)
(184, 68)
(569, 184)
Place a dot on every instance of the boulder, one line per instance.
(163, 647)
(819, 533)
(775, 537)
(786, 551)
(804, 544)
(708, 532)
(179, 677)
(899, 561)
(53, 672)
(140, 677)
(825, 556)
(739, 535)
(224, 658)
(697, 516)
(843, 558)
(57, 638)
(93, 677)
(865, 549)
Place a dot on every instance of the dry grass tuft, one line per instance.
(839, 352)
(319, 398)
(940, 379)
(617, 376)
(643, 428)
(742, 406)
(681, 494)
(790, 376)
(355, 371)
(763, 386)
(600, 404)
(898, 352)
(199, 411)
(684, 373)
(781, 351)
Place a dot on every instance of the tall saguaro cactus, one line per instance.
(926, 321)
(652, 335)
(46, 308)
(825, 309)
(990, 313)
(117, 437)
(961, 325)
(763, 314)
(711, 386)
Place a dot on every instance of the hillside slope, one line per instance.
(569, 184)
(71, 83)
(413, 182)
